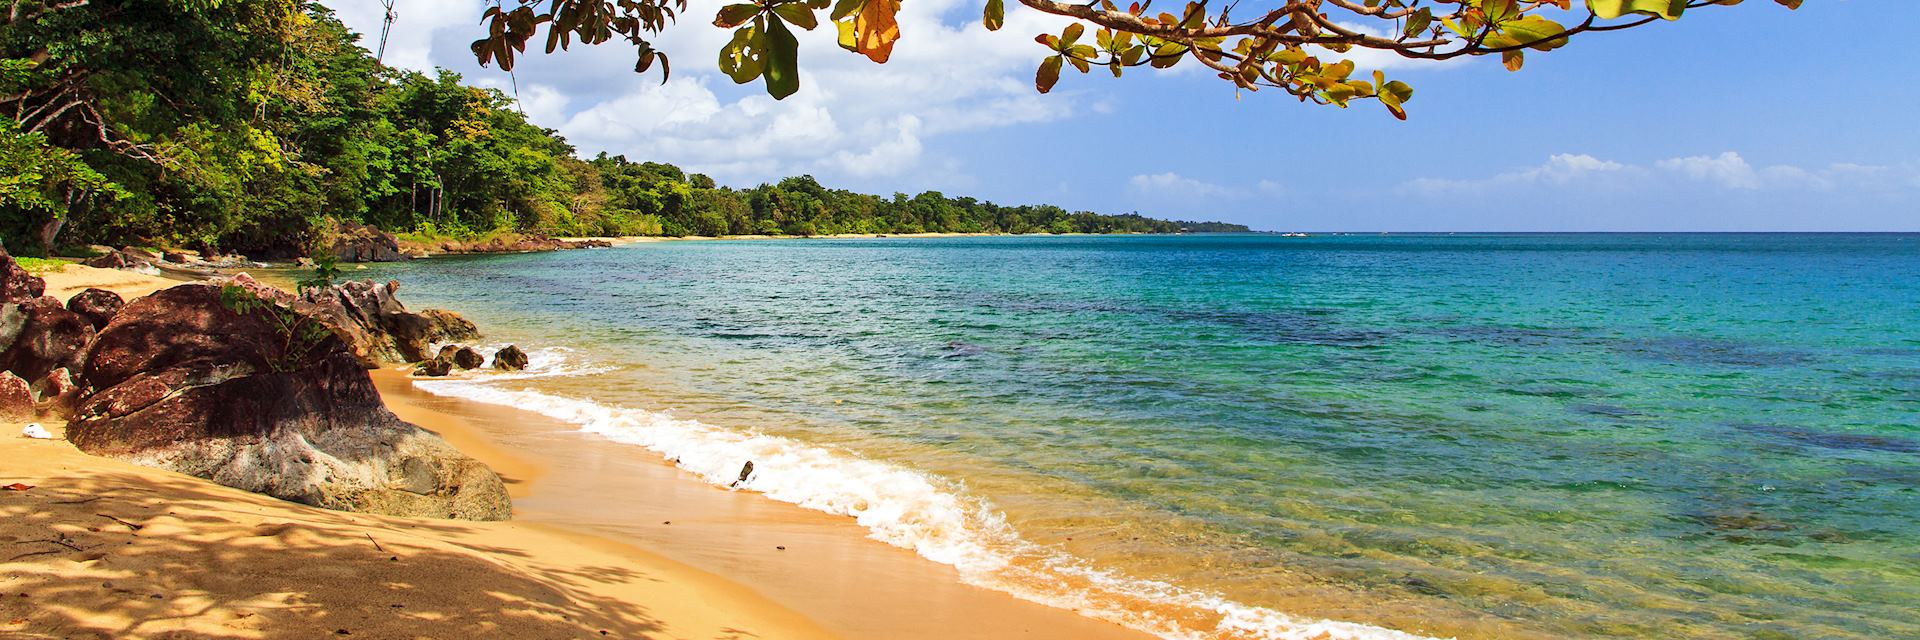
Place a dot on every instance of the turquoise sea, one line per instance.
(1245, 436)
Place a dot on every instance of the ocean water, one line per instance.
(1240, 436)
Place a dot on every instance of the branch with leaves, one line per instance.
(1297, 47)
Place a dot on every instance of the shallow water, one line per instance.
(1633, 436)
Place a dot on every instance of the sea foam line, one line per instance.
(906, 508)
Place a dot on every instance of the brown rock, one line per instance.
(16, 285)
(97, 306)
(510, 358)
(434, 368)
(57, 394)
(16, 398)
(377, 327)
(354, 242)
(468, 358)
(39, 335)
(205, 380)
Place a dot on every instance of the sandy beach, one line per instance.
(607, 541)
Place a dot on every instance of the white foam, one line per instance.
(906, 508)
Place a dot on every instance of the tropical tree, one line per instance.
(1296, 47)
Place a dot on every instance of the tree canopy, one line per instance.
(251, 126)
(1296, 47)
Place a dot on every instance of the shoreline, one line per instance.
(824, 567)
(605, 537)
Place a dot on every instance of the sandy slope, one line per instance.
(102, 548)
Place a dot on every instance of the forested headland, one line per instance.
(249, 126)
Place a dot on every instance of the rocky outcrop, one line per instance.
(510, 358)
(377, 327)
(354, 242)
(97, 306)
(38, 336)
(16, 399)
(513, 243)
(226, 382)
(435, 368)
(16, 285)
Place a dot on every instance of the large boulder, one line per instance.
(510, 358)
(377, 327)
(463, 356)
(226, 382)
(353, 242)
(97, 306)
(16, 285)
(38, 336)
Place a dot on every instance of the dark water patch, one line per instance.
(1613, 411)
(958, 349)
(1831, 440)
(1559, 390)
(1709, 351)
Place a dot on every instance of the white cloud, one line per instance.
(1172, 185)
(851, 117)
(1726, 171)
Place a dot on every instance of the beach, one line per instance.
(96, 547)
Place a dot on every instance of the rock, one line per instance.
(140, 253)
(377, 327)
(39, 335)
(178, 257)
(16, 285)
(468, 358)
(510, 358)
(202, 379)
(111, 260)
(56, 393)
(354, 242)
(96, 305)
(519, 243)
(16, 398)
(434, 368)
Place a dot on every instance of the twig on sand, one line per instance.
(31, 554)
(80, 501)
(376, 543)
(129, 525)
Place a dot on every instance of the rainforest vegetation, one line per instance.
(249, 126)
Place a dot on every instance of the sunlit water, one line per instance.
(1635, 436)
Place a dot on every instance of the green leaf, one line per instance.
(995, 15)
(1498, 11)
(734, 15)
(741, 59)
(1048, 74)
(1535, 31)
(796, 14)
(1419, 22)
(783, 61)
(1610, 9)
(1072, 34)
(844, 8)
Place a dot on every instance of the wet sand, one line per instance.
(828, 571)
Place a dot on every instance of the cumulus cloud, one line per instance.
(851, 117)
(1727, 171)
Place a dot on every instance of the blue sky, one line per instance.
(1743, 118)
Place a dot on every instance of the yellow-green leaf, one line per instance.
(1534, 31)
(995, 15)
(1610, 9)
(1048, 74)
(844, 8)
(741, 59)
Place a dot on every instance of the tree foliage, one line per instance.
(1296, 47)
(227, 125)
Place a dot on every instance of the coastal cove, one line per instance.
(1352, 498)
